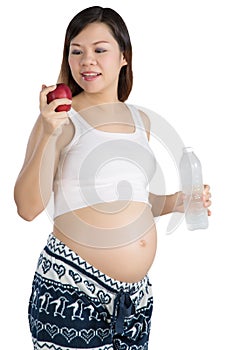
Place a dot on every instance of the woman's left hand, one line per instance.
(206, 198)
(179, 200)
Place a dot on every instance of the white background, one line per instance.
(183, 71)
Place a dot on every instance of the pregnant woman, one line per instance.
(91, 289)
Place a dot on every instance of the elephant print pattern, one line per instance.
(73, 305)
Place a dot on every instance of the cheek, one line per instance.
(73, 63)
(74, 69)
(70, 62)
(112, 62)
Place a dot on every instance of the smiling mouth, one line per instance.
(90, 75)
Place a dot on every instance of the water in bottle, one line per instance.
(196, 215)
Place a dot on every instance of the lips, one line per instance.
(90, 75)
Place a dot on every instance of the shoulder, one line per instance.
(146, 122)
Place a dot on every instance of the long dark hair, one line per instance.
(120, 33)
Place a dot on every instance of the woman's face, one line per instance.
(95, 60)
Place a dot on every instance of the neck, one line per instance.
(85, 99)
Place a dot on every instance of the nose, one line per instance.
(88, 58)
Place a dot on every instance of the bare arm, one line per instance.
(34, 184)
(166, 204)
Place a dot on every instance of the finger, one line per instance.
(209, 212)
(207, 204)
(58, 102)
(206, 196)
(206, 192)
(57, 115)
(46, 89)
(44, 92)
(206, 188)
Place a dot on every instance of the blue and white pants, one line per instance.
(73, 305)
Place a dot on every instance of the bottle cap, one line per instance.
(187, 149)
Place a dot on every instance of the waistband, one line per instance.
(61, 251)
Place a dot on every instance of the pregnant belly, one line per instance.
(118, 240)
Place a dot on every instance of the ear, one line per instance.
(123, 61)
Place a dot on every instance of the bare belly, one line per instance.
(119, 240)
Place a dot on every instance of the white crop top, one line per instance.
(99, 166)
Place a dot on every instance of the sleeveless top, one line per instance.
(99, 166)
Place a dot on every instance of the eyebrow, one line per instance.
(95, 43)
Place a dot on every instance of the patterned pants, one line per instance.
(75, 306)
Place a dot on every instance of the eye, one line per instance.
(100, 50)
(76, 52)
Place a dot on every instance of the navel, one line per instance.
(142, 243)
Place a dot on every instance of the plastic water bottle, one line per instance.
(196, 215)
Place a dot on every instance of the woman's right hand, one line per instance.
(52, 121)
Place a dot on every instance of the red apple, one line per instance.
(61, 91)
